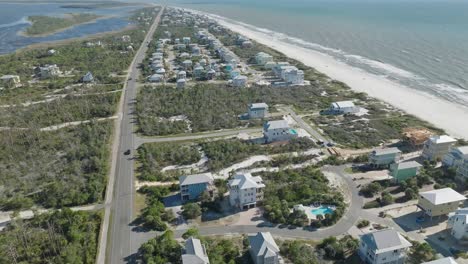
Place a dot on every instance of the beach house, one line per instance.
(383, 247)
(447, 260)
(196, 50)
(186, 40)
(404, 170)
(192, 186)
(87, 78)
(258, 110)
(455, 157)
(198, 71)
(384, 157)
(278, 130)
(181, 83)
(262, 58)
(245, 191)
(10, 81)
(48, 71)
(343, 107)
(239, 81)
(263, 249)
(436, 147)
(440, 202)
(458, 223)
(462, 171)
(187, 64)
(293, 76)
(181, 75)
(194, 252)
(156, 78)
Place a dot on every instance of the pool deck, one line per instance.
(308, 210)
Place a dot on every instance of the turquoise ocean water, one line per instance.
(421, 44)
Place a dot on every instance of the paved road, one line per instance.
(121, 236)
(304, 125)
(223, 133)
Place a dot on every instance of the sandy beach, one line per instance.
(449, 116)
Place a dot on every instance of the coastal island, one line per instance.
(46, 25)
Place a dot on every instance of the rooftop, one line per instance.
(343, 104)
(194, 252)
(385, 240)
(276, 124)
(448, 260)
(195, 179)
(258, 106)
(246, 181)
(442, 196)
(408, 165)
(263, 244)
(442, 139)
(386, 151)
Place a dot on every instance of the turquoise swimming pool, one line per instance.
(322, 210)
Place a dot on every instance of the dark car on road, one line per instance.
(127, 152)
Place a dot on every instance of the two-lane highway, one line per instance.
(121, 209)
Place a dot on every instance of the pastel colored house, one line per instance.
(10, 81)
(447, 260)
(457, 158)
(245, 191)
(343, 107)
(436, 147)
(263, 58)
(192, 186)
(384, 157)
(263, 249)
(458, 223)
(383, 247)
(404, 170)
(440, 202)
(258, 110)
(462, 171)
(278, 130)
(239, 81)
(198, 71)
(194, 252)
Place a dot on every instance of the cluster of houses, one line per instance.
(245, 190)
(263, 250)
(157, 62)
(289, 74)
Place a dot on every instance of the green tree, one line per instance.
(191, 210)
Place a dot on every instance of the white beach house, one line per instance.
(440, 202)
(194, 252)
(384, 157)
(436, 147)
(383, 247)
(458, 223)
(245, 191)
(239, 81)
(343, 107)
(278, 130)
(263, 58)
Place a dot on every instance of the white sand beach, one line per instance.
(449, 116)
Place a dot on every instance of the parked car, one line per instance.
(127, 152)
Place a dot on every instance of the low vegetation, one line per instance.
(155, 216)
(42, 25)
(58, 237)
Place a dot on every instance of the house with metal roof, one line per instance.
(245, 190)
(343, 107)
(384, 246)
(194, 252)
(192, 186)
(258, 110)
(404, 170)
(436, 147)
(447, 260)
(263, 249)
(440, 202)
(278, 130)
(458, 223)
(384, 157)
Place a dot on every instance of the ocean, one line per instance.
(420, 44)
(13, 19)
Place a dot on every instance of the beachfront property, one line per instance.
(10, 81)
(384, 157)
(192, 186)
(436, 147)
(239, 81)
(384, 246)
(47, 71)
(263, 58)
(455, 157)
(278, 130)
(440, 202)
(458, 223)
(462, 171)
(194, 252)
(404, 170)
(293, 76)
(263, 249)
(245, 191)
(447, 260)
(258, 110)
(87, 78)
(181, 83)
(227, 56)
(343, 107)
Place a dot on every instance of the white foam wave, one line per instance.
(22, 21)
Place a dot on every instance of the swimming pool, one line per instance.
(322, 210)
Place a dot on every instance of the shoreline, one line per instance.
(66, 41)
(443, 114)
(23, 32)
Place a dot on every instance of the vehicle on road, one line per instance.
(127, 152)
